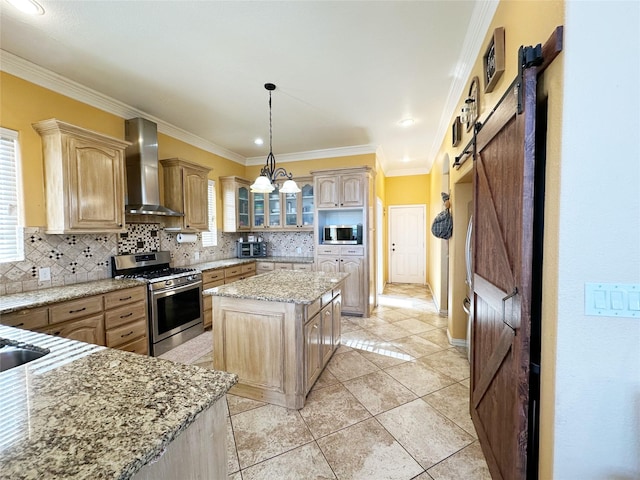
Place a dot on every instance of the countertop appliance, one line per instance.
(342, 234)
(251, 249)
(174, 297)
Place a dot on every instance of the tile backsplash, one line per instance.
(84, 257)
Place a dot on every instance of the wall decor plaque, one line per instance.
(493, 60)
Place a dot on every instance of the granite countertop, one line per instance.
(88, 412)
(38, 298)
(286, 259)
(290, 286)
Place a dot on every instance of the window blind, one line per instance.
(11, 242)
(210, 238)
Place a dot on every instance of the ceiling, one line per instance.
(346, 71)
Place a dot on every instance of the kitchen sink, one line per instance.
(13, 354)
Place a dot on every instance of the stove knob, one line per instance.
(168, 283)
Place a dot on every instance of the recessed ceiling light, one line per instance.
(28, 6)
(406, 159)
(258, 141)
(406, 122)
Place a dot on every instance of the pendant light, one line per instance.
(269, 173)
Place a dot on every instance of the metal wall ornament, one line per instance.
(471, 107)
(493, 60)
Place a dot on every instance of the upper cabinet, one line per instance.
(185, 190)
(235, 204)
(340, 191)
(267, 210)
(84, 179)
(298, 207)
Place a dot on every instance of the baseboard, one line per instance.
(457, 342)
(442, 313)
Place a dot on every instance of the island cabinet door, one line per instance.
(312, 345)
(327, 333)
(336, 317)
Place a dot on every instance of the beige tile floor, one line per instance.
(391, 404)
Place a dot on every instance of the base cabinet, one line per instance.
(222, 276)
(347, 260)
(278, 350)
(88, 329)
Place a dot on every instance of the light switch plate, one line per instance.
(612, 299)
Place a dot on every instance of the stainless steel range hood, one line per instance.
(143, 193)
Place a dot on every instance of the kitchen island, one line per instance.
(277, 331)
(84, 411)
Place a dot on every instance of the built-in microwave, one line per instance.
(252, 249)
(342, 234)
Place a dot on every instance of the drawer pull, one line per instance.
(127, 315)
(79, 310)
(125, 298)
(126, 334)
(20, 324)
(56, 333)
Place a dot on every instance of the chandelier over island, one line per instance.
(265, 183)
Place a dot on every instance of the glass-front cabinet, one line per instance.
(243, 207)
(298, 207)
(266, 210)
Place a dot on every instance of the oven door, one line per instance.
(174, 310)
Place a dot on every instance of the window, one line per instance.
(210, 238)
(11, 242)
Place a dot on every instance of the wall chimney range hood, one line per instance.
(143, 191)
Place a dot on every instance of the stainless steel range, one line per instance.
(174, 297)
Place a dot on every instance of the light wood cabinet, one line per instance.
(264, 267)
(346, 196)
(222, 276)
(185, 190)
(312, 345)
(126, 320)
(84, 179)
(348, 260)
(28, 319)
(116, 319)
(340, 191)
(267, 210)
(298, 208)
(236, 204)
(88, 329)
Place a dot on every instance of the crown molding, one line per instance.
(317, 154)
(33, 73)
(477, 29)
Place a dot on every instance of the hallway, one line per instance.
(391, 404)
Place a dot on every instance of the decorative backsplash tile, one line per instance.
(79, 258)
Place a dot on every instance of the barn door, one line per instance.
(502, 269)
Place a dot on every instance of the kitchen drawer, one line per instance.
(307, 267)
(139, 346)
(352, 250)
(216, 283)
(122, 297)
(88, 329)
(124, 333)
(212, 276)
(248, 267)
(29, 318)
(329, 249)
(283, 266)
(61, 312)
(125, 314)
(232, 271)
(263, 267)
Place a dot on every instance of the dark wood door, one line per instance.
(502, 264)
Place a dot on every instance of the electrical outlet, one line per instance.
(298, 250)
(196, 256)
(44, 274)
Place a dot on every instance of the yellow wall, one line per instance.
(23, 103)
(407, 190)
(525, 23)
(303, 168)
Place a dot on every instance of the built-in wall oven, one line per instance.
(174, 298)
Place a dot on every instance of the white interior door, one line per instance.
(407, 245)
